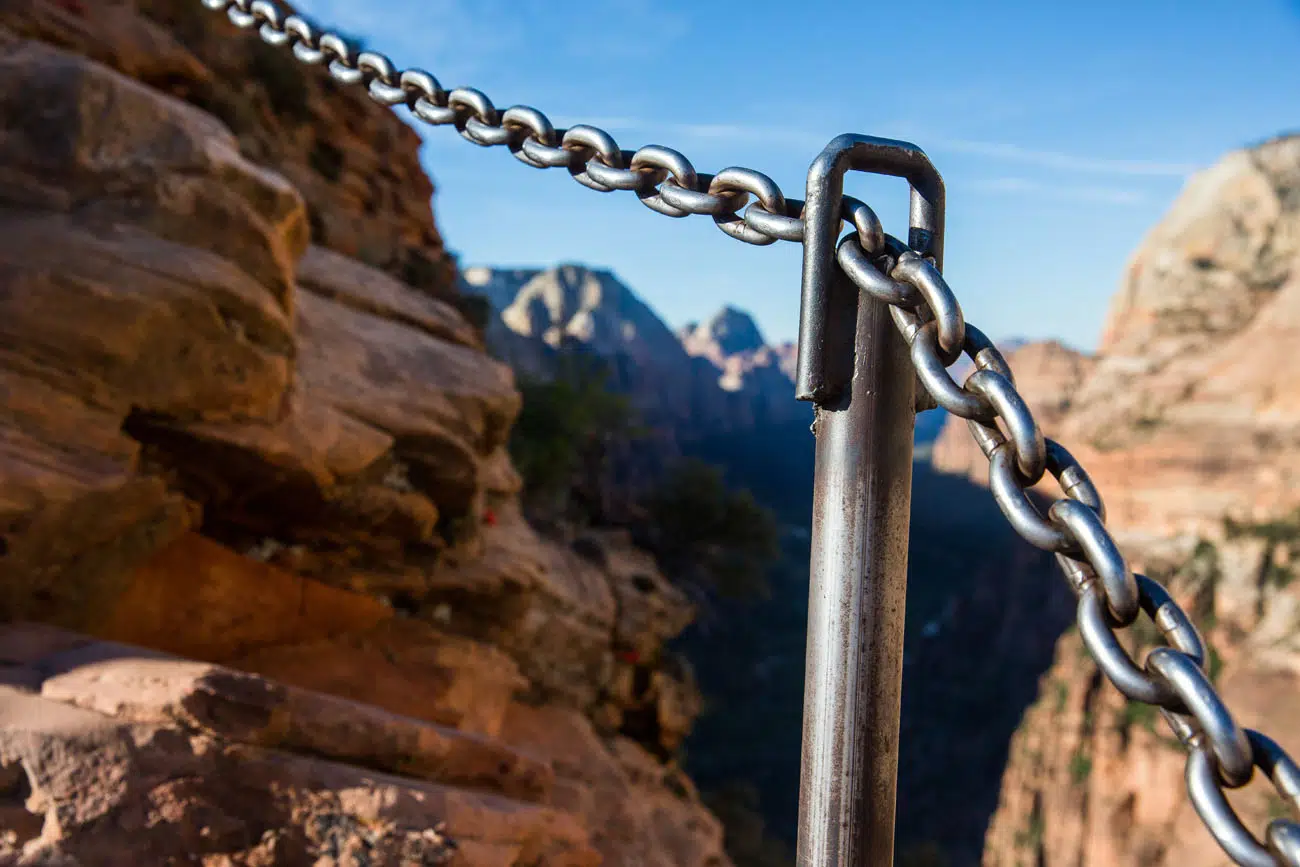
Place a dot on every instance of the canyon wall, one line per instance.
(1187, 419)
(266, 592)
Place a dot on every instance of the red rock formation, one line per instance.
(1187, 420)
(129, 755)
(263, 467)
(355, 163)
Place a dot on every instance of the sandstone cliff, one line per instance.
(355, 165)
(1187, 420)
(256, 492)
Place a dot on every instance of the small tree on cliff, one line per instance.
(707, 534)
(559, 442)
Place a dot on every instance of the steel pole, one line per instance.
(863, 493)
(855, 366)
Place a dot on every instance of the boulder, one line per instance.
(547, 607)
(85, 140)
(347, 281)
(640, 810)
(248, 709)
(446, 406)
(145, 268)
(403, 666)
(198, 599)
(577, 618)
(83, 788)
(355, 163)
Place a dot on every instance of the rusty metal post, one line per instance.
(854, 365)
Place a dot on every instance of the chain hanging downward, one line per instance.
(1222, 755)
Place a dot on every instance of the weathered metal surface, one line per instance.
(855, 365)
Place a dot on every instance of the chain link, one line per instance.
(662, 178)
(1222, 754)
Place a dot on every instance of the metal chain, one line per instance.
(662, 178)
(1222, 755)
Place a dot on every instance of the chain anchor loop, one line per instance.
(814, 380)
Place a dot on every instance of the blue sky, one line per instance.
(1063, 130)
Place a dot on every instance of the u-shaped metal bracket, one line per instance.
(856, 366)
(816, 380)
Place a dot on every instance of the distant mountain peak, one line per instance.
(720, 372)
(733, 330)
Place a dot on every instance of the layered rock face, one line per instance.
(1096, 779)
(355, 165)
(1187, 420)
(1187, 414)
(260, 489)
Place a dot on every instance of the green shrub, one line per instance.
(927, 854)
(1140, 713)
(1278, 808)
(1281, 530)
(1148, 423)
(1032, 835)
(1213, 663)
(563, 422)
(1080, 767)
(709, 534)
(1145, 633)
(1205, 559)
(1062, 694)
(1278, 576)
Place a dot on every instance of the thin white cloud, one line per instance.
(1001, 151)
(471, 35)
(1063, 161)
(1064, 192)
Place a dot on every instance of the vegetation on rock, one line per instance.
(705, 533)
(558, 441)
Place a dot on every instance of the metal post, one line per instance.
(854, 364)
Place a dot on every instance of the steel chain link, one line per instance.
(662, 178)
(1222, 754)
